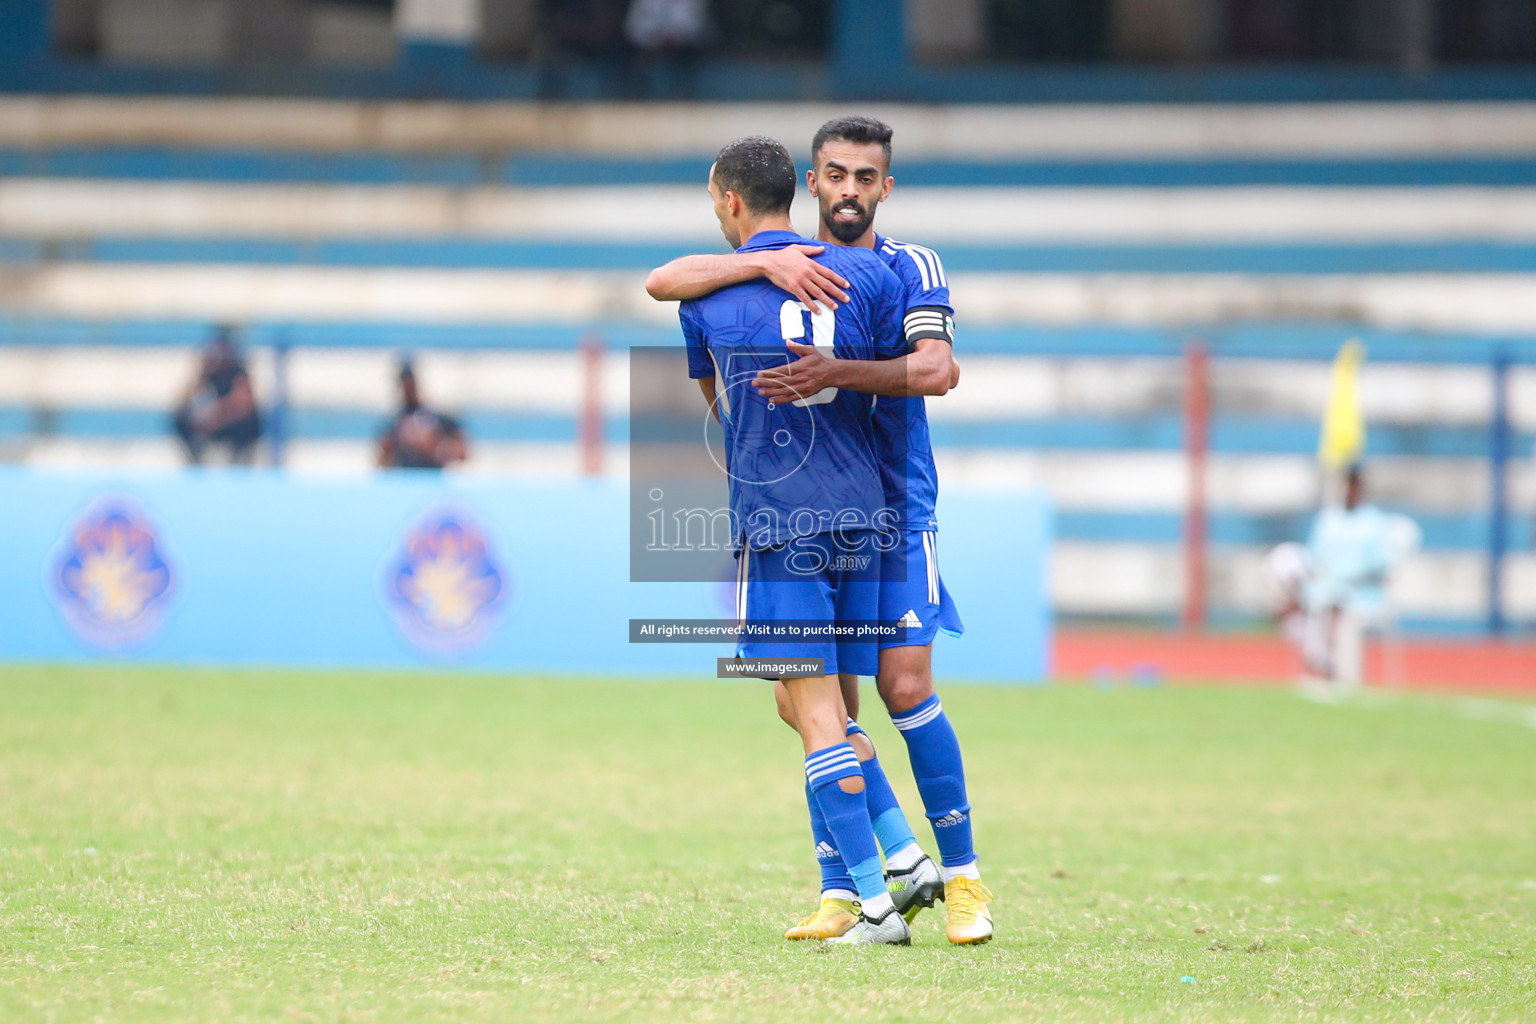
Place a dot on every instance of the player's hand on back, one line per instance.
(808, 374)
(793, 270)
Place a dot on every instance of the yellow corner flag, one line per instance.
(1343, 437)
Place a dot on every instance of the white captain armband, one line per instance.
(929, 322)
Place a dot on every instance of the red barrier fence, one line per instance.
(590, 425)
(1197, 442)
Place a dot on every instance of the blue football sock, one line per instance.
(835, 880)
(940, 775)
(892, 830)
(847, 817)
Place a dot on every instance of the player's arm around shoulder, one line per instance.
(914, 342)
(931, 368)
(928, 331)
(792, 268)
(930, 311)
(881, 364)
(927, 311)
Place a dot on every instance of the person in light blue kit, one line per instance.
(850, 178)
(1351, 551)
(806, 493)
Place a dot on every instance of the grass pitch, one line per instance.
(212, 846)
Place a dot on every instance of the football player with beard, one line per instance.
(850, 177)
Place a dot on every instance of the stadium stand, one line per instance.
(1089, 248)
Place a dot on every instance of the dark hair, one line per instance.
(761, 171)
(862, 131)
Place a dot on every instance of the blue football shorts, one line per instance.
(815, 579)
(913, 593)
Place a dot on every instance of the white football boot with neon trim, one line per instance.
(889, 929)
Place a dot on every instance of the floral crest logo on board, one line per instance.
(110, 576)
(445, 583)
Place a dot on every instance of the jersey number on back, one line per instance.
(823, 327)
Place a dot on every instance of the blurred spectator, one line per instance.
(219, 407)
(417, 437)
(1339, 582)
(669, 37)
(589, 28)
(661, 25)
(583, 31)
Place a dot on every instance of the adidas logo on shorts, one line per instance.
(949, 820)
(910, 620)
(824, 851)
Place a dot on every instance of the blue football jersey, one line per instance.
(806, 467)
(902, 441)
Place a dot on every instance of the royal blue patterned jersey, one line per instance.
(902, 440)
(806, 467)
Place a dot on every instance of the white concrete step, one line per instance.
(981, 131)
(63, 208)
(1453, 303)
